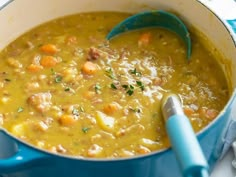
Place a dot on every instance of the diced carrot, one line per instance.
(67, 120)
(34, 68)
(89, 68)
(49, 49)
(208, 113)
(111, 108)
(188, 111)
(144, 39)
(48, 61)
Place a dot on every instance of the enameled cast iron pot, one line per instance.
(22, 160)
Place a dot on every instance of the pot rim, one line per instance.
(5, 3)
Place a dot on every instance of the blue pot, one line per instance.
(18, 159)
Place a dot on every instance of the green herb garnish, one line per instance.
(97, 88)
(75, 112)
(130, 92)
(113, 86)
(110, 73)
(135, 72)
(125, 86)
(58, 79)
(140, 85)
(67, 89)
(20, 109)
(129, 89)
(52, 71)
(81, 109)
(85, 129)
(137, 110)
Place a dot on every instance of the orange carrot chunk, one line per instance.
(111, 108)
(188, 111)
(34, 68)
(48, 61)
(49, 49)
(89, 68)
(144, 39)
(208, 113)
(67, 120)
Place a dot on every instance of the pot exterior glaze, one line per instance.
(18, 159)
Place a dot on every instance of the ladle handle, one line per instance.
(183, 140)
(186, 147)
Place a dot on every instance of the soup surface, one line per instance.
(64, 88)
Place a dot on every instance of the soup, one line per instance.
(66, 89)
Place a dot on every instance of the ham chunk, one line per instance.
(40, 101)
(95, 53)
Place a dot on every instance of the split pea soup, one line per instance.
(66, 89)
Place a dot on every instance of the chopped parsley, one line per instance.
(129, 89)
(75, 112)
(97, 88)
(81, 109)
(85, 129)
(125, 86)
(113, 86)
(58, 79)
(130, 92)
(67, 89)
(140, 85)
(52, 71)
(20, 109)
(136, 110)
(135, 72)
(110, 73)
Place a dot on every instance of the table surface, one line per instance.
(226, 9)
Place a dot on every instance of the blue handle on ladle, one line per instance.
(183, 140)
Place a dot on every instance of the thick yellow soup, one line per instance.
(66, 89)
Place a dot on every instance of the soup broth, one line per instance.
(66, 89)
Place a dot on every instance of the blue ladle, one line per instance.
(183, 140)
(154, 18)
(182, 137)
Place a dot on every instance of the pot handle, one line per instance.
(232, 24)
(23, 158)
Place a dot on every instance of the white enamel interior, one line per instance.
(20, 16)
